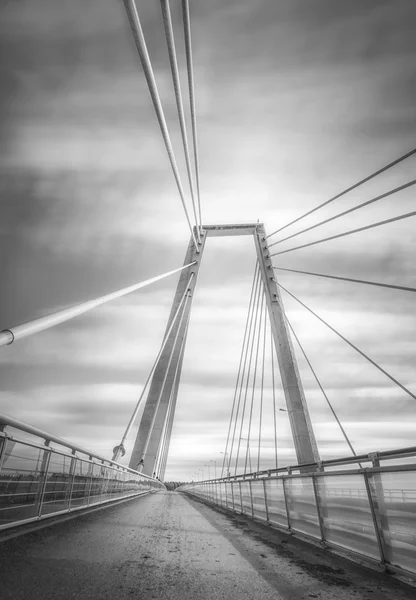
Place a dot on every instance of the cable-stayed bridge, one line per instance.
(360, 504)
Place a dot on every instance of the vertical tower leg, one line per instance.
(157, 389)
(303, 435)
(169, 423)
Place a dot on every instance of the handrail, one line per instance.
(370, 457)
(7, 421)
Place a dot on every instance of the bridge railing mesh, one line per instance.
(39, 481)
(369, 512)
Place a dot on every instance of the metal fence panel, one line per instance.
(301, 504)
(259, 505)
(394, 499)
(38, 481)
(57, 484)
(246, 498)
(275, 498)
(346, 513)
(81, 483)
(237, 496)
(21, 481)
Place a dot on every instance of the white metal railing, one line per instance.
(367, 511)
(50, 476)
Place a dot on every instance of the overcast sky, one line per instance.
(296, 99)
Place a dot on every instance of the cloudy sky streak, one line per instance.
(296, 100)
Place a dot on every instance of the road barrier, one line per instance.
(370, 512)
(50, 476)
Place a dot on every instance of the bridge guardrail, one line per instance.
(370, 512)
(38, 480)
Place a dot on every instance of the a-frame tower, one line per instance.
(152, 441)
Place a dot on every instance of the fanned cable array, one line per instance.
(252, 431)
(136, 27)
(339, 277)
(252, 440)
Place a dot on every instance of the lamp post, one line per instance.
(223, 465)
(215, 468)
(249, 451)
(209, 470)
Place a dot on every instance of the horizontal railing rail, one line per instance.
(38, 480)
(369, 512)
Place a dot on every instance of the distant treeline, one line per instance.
(172, 485)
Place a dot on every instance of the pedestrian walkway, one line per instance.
(168, 546)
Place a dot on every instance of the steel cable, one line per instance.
(170, 41)
(370, 360)
(191, 84)
(353, 187)
(136, 28)
(350, 279)
(239, 370)
(274, 400)
(256, 311)
(253, 392)
(321, 388)
(118, 449)
(350, 232)
(350, 210)
(162, 388)
(262, 384)
(244, 367)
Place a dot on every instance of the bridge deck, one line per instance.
(167, 546)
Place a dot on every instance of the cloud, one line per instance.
(290, 112)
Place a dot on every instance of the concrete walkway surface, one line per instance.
(169, 546)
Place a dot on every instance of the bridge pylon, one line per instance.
(156, 423)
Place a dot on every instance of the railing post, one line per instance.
(44, 471)
(92, 464)
(286, 503)
(373, 514)
(232, 494)
(3, 444)
(72, 470)
(251, 498)
(241, 498)
(318, 508)
(265, 500)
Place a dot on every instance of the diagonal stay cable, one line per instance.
(162, 388)
(352, 187)
(164, 447)
(170, 41)
(274, 400)
(253, 393)
(350, 210)
(136, 28)
(350, 232)
(17, 332)
(239, 371)
(243, 374)
(256, 311)
(120, 448)
(350, 279)
(262, 384)
(321, 388)
(191, 84)
(370, 360)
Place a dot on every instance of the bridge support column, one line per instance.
(303, 436)
(142, 458)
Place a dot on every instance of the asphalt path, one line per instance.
(169, 546)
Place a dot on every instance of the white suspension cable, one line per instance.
(191, 85)
(10, 335)
(149, 435)
(136, 28)
(120, 448)
(170, 41)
